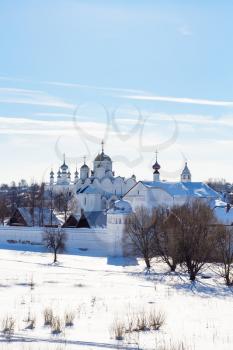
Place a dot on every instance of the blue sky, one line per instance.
(141, 74)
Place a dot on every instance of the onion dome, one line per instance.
(59, 173)
(133, 177)
(64, 167)
(156, 166)
(76, 173)
(101, 157)
(51, 173)
(84, 166)
(69, 174)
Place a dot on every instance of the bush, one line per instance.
(142, 323)
(8, 326)
(156, 320)
(57, 325)
(48, 316)
(32, 323)
(118, 330)
(69, 318)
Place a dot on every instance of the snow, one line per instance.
(121, 207)
(100, 290)
(192, 189)
(223, 215)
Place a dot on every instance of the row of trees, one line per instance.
(187, 235)
(33, 196)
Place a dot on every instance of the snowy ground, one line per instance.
(100, 290)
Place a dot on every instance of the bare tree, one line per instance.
(166, 242)
(139, 234)
(4, 209)
(224, 248)
(192, 225)
(54, 240)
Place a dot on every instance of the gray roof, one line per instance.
(96, 218)
(42, 216)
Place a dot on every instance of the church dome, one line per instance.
(101, 157)
(64, 166)
(84, 166)
(156, 166)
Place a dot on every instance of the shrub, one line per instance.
(118, 330)
(8, 326)
(69, 318)
(156, 320)
(32, 323)
(142, 321)
(48, 316)
(57, 325)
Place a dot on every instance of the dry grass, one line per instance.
(156, 319)
(57, 325)
(8, 326)
(48, 316)
(118, 330)
(69, 318)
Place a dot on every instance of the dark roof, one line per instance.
(87, 219)
(36, 217)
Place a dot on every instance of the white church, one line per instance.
(109, 198)
(96, 189)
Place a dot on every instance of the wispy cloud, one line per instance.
(32, 97)
(92, 87)
(184, 100)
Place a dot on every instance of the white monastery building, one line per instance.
(100, 191)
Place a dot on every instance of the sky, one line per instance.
(142, 75)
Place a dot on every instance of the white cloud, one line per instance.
(185, 100)
(32, 97)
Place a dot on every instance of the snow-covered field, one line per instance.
(102, 290)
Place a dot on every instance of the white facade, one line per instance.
(94, 190)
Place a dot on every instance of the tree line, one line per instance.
(33, 196)
(188, 236)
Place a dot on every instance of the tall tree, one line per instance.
(192, 225)
(166, 241)
(224, 247)
(139, 234)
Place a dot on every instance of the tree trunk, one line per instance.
(192, 276)
(55, 256)
(173, 267)
(147, 261)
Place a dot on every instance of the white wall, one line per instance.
(97, 242)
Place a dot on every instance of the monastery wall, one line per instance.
(93, 242)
